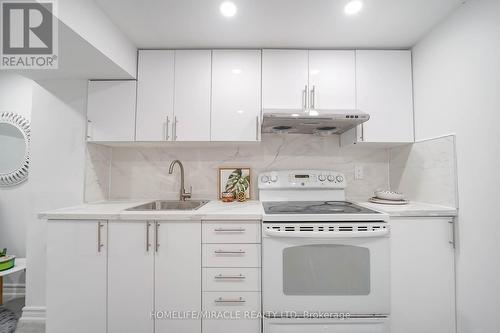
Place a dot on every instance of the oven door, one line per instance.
(326, 268)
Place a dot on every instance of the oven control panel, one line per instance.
(302, 179)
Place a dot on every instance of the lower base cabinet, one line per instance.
(423, 275)
(123, 276)
(229, 312)
(231, 260)
(130, 277)
(76, 276)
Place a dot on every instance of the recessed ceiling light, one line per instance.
(228, 9)
(353, 7)
(240, 111)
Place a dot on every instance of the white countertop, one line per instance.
(412, 209)
(217, 210)
(116, 210)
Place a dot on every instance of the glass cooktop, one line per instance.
(314, 207)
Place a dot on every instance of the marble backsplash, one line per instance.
(426, 171)
(115, 173)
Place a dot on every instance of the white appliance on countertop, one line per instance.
(326, 261)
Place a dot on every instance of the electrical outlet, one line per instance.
(358, 172)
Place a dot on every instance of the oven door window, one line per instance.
(326, 269)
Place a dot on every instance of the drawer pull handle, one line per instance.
(230, 230)
(230, 252)
(235, 277)
(230, 300)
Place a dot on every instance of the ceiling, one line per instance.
(275, 23)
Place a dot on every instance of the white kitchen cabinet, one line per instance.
(111, 111)
(384, 91)
(236, 95)
(284, 79)
(178, 274)
(155, 95)
(130, 277)
(332, 80)
(423, 275)
(193, 71)
(76, 276)
(243, 304)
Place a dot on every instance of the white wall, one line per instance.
(87, 19)
(57, 172)
(457, 90)
(15, 201)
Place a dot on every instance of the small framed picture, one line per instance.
(234, 180)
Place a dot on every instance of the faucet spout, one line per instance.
(183, 194)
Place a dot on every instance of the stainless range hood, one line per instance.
(311, 121)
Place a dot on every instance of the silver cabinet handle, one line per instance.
(257, 125)
(166, 129)
(231, 277)
(229, 229)
(229, 252)
(312, 98)
(157, 236)
(230, 300)
(174, 129)
(148, 243)
(304, 98)
(100, 245)
(452, 241)
(89, 124)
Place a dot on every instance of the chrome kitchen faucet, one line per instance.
(183, 195)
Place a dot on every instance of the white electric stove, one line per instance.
(325, 259)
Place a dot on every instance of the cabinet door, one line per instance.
(236, 101)
(130, 277)
(423, 275)
(155, 95)
(111, 110)
(384, 91)
(76, 276)
(284, 79)
(192, 95)
(178, 274)
(332, 79)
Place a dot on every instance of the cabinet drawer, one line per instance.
(231, 255)
(237, 305)
(231, 232)
(231, 279)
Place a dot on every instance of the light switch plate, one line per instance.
(358, 172)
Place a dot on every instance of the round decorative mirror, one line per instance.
(14, 148)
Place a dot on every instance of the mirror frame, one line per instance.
(21, 173)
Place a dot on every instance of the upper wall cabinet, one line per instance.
(302, 79)
(193, 74)
(384, 91)
(284, 79)
(155, 95)
(332, 82)
(236, 99)
(111, 111)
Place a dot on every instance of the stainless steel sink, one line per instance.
(170, 205)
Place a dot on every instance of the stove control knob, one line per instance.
(331, 178)
(274, 178)
(321, 178)
(340, 179)
(264, 179)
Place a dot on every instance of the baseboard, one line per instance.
(13, 290)
(33, 313)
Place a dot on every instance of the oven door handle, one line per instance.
(326, 234)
